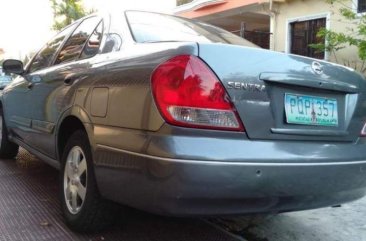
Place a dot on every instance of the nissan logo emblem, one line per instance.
(317, 67)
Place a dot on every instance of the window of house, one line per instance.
(75, 44)
(304, 33)
(361, 6)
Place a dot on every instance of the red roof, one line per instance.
(200, 8)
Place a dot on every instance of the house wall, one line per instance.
(303, 9)
(286, 11)
(213, 9)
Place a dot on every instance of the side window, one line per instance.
(75, 44)
(48, 52)
(92, 45)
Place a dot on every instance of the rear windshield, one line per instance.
(153, 27)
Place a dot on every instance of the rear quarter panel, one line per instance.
(125, 76)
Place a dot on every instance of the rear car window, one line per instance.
(154, 27)
(91, 47)
(75, 44)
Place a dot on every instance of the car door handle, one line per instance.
(30, 85)
(70, 79)
(33, 80)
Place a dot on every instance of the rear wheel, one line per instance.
(82, 206)
(8, 149)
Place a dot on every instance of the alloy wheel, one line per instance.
(75, 180)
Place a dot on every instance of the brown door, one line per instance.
(361, 6)
(304, 33)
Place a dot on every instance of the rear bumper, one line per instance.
(194, 187)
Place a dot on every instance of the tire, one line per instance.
(8, 149)
(82, 206)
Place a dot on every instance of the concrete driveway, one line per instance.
(345, 223)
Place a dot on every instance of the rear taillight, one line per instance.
(188, 94)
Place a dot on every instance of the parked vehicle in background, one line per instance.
(4, 79)
(182, 118)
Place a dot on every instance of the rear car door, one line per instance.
(19, 102)
(54, 91)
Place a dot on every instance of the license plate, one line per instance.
(311, 110)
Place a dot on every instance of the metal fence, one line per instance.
(260, 38)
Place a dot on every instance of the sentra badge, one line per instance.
(246, 86)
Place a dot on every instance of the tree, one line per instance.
(25, 60)
(67, 11)
(181, 2)
(1, 56)
(354, 36)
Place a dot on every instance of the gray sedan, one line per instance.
(179, 117)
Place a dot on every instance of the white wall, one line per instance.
(303, 9)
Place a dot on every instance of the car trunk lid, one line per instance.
(269, 89)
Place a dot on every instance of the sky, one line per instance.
(26, 24)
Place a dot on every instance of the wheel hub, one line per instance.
(75, 181)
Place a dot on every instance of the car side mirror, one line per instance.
(13, 66)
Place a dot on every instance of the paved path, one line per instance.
(29, 210)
